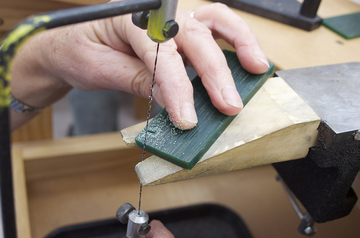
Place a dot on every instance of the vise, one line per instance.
(322, 180)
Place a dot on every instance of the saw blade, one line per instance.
(148, 115)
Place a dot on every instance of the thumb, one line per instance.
(158, 230)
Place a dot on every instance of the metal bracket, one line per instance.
(289, 12)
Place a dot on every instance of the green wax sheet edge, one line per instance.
(331, 23)
(160, 128)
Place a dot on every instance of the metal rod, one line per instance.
(8, 225)
(306, 225)
(291, 198)
(99, 11)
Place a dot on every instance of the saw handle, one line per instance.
(160, 23)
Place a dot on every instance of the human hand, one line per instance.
(114, 54)
(158, 230)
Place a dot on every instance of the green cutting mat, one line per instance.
(185, 148)
(348, 26)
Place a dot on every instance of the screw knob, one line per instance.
(170, 29)
(140, 19)
(123, 212)
(310, 231)
(144, 229)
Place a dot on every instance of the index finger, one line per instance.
(195, 40)
(172, 85)
(226, 24)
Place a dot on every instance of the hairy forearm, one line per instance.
(32, 79)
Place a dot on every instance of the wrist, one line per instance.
(32, 79)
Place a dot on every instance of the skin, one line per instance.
(158, 230)
(114, 54)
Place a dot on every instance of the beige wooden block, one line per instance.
(276, 125)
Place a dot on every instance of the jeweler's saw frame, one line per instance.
(158, 15)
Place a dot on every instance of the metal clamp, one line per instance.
(306, 226)
(137, 221)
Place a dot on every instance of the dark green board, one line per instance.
(185, 148)
(348, 26)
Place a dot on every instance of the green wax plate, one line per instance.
(185, 148)
(348, 26)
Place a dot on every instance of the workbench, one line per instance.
(75, 180)
(83, 179)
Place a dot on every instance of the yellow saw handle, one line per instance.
(161, 24)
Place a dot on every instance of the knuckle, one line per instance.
(193, 27)
(140, 84)
(149, 52)
(245, 39)
(220, 6)
(169, 48)
(217, 69)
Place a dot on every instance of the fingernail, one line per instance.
(188, 118)
(259, 55)
(188, 113)
(232, 97)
